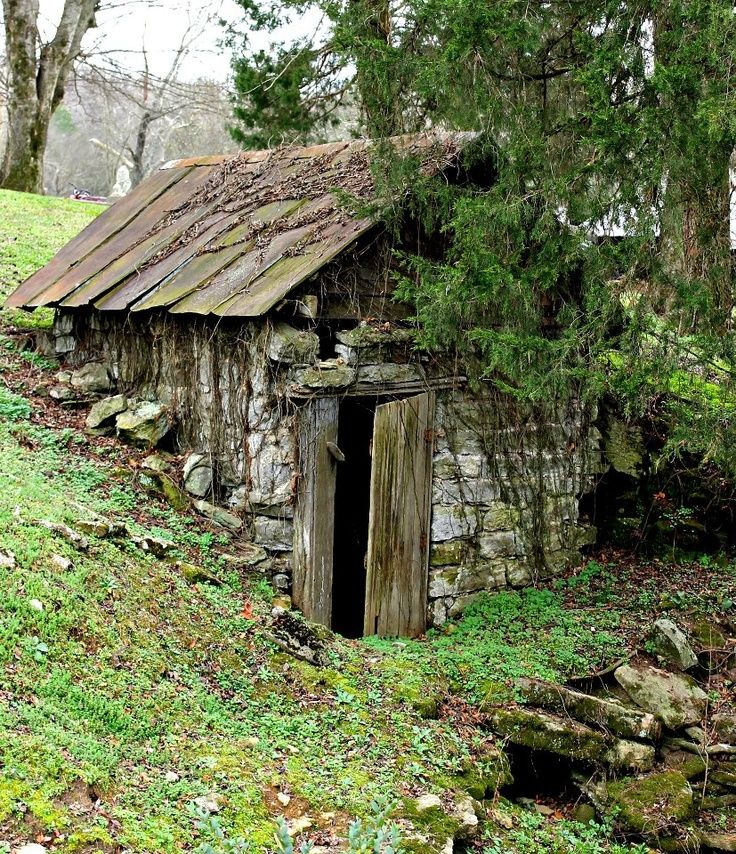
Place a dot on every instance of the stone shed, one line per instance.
(248, 298)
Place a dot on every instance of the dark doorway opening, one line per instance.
(352, 511)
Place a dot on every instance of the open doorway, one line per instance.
(352, 512)
(361, 524)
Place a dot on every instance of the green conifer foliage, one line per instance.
(590, 250)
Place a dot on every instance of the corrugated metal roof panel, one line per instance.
(102, 228)
(230, 236)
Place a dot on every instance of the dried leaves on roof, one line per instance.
(224, 236)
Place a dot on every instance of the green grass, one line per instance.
(127, 673)
(32, 229)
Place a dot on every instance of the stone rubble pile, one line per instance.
(652, 749)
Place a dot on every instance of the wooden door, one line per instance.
(314, 517)
(398, 533)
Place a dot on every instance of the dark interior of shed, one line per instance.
(352, 510)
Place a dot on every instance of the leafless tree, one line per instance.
(95, 130)
(36, 74)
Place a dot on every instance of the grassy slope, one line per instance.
(32, 228)
(129, 673)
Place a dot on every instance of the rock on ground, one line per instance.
(219, 516)
(719, 841)
(674, 698)
(103, 412)
(608, 714)
(145, 424)
(198, 475)
(652, 804)
(543, 731)
(91, 378)
(672, 645)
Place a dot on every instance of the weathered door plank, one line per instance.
(314, 522)
(398, 535)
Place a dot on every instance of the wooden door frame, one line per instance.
(314, 514)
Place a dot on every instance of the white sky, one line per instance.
(124, 27)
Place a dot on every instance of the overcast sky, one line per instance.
(160, 24)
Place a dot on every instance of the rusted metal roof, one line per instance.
(227, 236)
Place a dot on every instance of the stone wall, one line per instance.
(219, 386)
(505, 496)
(506, 484)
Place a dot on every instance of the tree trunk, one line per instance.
(378, 98)
(36, 77)
(137, 154)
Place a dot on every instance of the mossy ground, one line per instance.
(131, 693)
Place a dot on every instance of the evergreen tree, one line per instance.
(594, 254)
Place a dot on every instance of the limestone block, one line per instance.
(365, 337)
(238, 499)
(481, 491)
(624, 447)
(63, 323)
(497, 544)
(612, 716)
(674, 698)
(468, 466)
(276, 535)
(64, 344)
(366, 356)
(91, 378)
(331, 374)
(389, 372)
(452, 581)
(449, 523)
(219, 515)
(670, 643)
(657, 800)
(518, 574)
(630, 756)
(438, 611)
(293, 346)
(144, 424)
(449, 553)
(198, 474)
(105, 410)
(543, 731)
(501, 516)
(271, 471)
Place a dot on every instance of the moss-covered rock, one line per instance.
(450, 553)
(608, 714)
(482, 777)
(652, 804)
(542, 731)
(674, 698)
(194, 574)
(326, 375)
(624, 447)
(707, 635)
(690, 765)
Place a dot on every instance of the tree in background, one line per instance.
(591, 254)
(37, 73)
(99, 122)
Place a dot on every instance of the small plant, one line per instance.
(37, 648)
(215, 840)
(285, 842)
(13, 407)
(375, 835)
